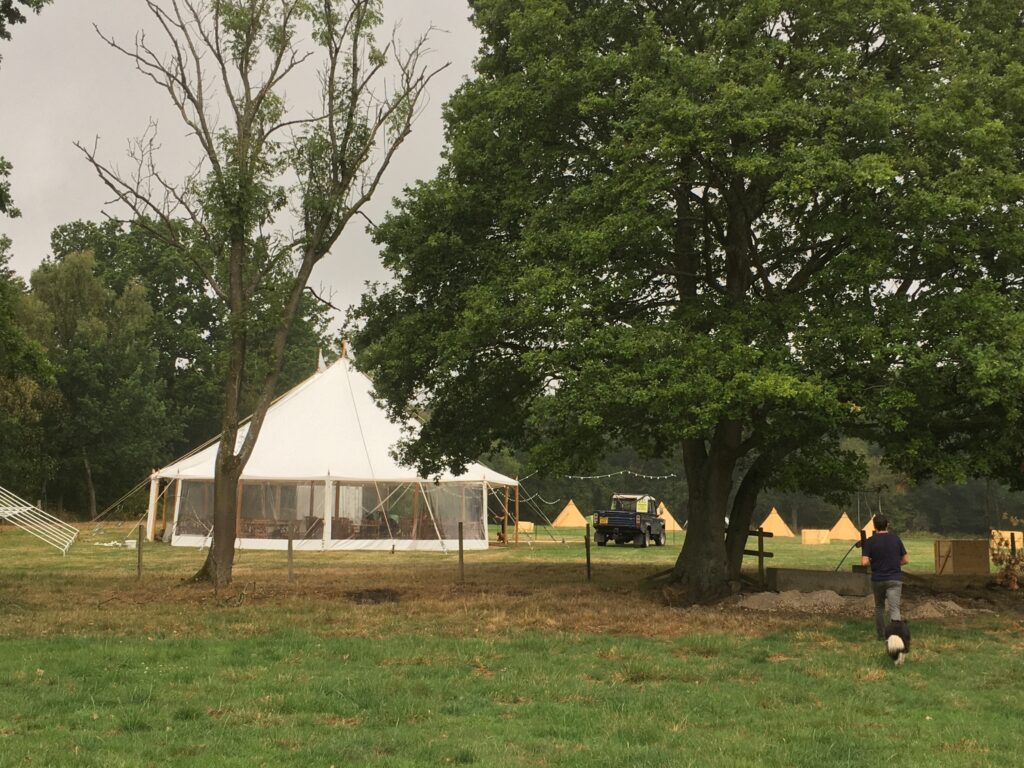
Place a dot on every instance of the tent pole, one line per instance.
(177, 507)
(517, 509)
(415, 514)
(430, 512)
(328, 517)
(154, 491)
(163, 520)
(504, 520)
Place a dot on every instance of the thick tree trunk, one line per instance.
(220, 558)
(702, 566)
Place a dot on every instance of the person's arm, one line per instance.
(904, 560)
(865, 560)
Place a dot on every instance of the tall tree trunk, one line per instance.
(220, 558)
(228, 472)
(89, 487)
(702, 565)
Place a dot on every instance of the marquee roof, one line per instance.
(327, 427)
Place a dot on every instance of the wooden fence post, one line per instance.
(138, 546)
(586, 542)
(291, 571)
(462, 560)
(760, 552)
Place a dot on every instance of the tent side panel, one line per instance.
(368, 545)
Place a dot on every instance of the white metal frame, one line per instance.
(33, 520)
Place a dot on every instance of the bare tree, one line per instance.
(274, 189)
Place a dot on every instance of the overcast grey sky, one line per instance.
(60, 83)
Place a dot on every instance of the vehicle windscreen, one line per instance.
(624, 505)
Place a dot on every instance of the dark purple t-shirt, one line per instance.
(885, 550)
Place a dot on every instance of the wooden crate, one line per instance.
(961, 557)
(1003, 538)
(814, 536)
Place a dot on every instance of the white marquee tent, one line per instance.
(327, 439)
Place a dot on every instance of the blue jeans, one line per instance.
(886, 592)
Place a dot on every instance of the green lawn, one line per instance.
(788, 553)
(524, 665)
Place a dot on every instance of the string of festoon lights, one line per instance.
(621, 472)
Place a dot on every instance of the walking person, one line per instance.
(885, 553)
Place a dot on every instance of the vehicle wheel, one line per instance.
(642, 539)
(660, 539)
(602, 543)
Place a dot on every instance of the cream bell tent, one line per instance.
(774, 524)
(844, 530)
(664, 514)
(570, 517)
(869, 529)
(322, 472)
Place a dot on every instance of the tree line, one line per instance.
(969, 507)
(110, 358)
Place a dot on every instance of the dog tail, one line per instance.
(894, 645)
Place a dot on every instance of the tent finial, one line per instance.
(344, 348)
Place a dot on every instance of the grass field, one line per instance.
(387, 660)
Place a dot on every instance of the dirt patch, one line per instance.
(936, 609)
(373, 596)
(823, 601)
(826, 602)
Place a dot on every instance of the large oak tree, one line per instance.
(737, 230)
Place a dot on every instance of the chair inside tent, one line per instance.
(323, 475)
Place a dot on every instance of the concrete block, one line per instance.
(843, 583)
